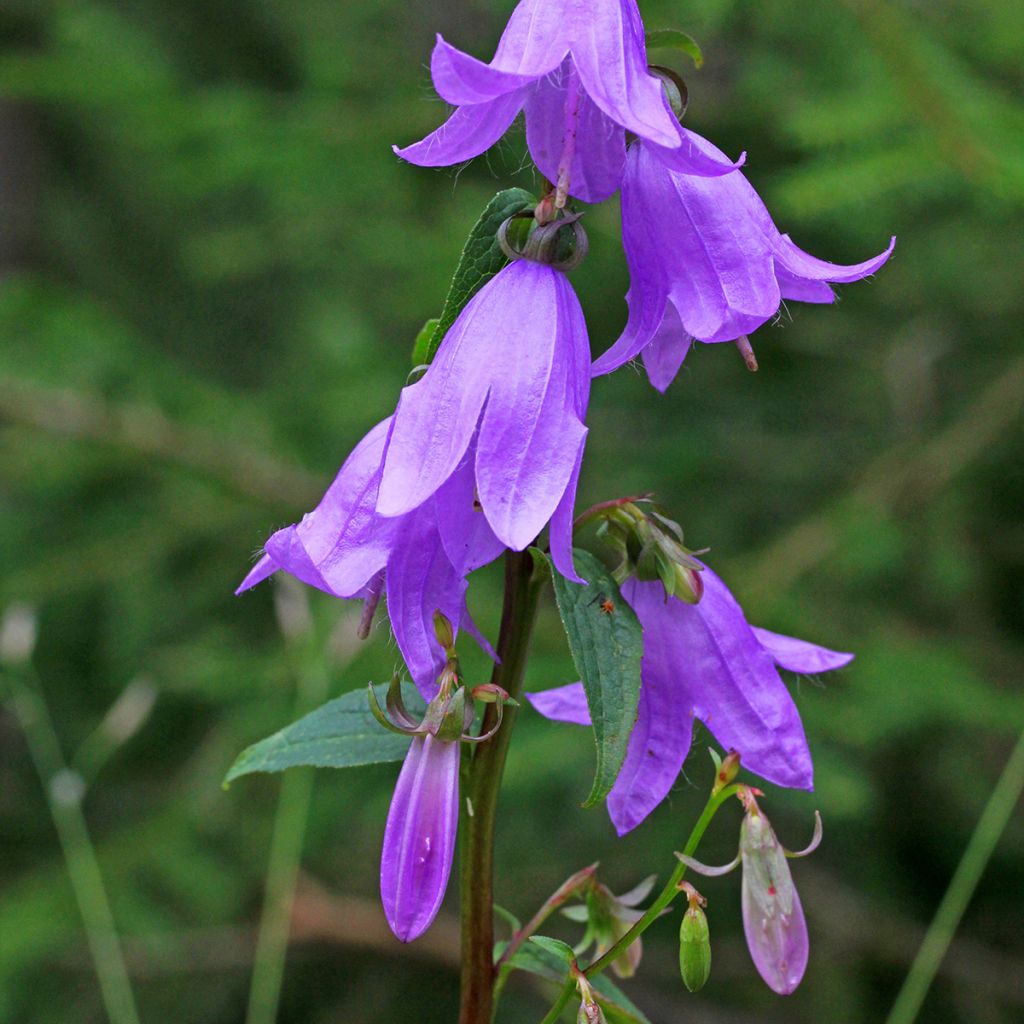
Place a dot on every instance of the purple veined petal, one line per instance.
(665, 353)
(536, 37)
(561, 529)
(563, 704)
(419, 838)
(263, 569)
(530, 432)
(341, 544)
(648, 288)
(420, 580)
(468, 538)
(792, 258)
(801, 289)
(600, 145)
(437, 416)
(661, 737)
(798, 655)
(609, 53)
(469, 131)
(736, 689)
(777, 941)
(474, 631)
(695, 155)
(460, 79)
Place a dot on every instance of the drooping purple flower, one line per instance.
(505, 399)
(420, 560)
(702, 661)
(579, 70)
(706, 263)
(773, 917)
(419, 838)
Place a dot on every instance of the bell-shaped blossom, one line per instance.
(419, 838)
(420, 560)
(505, 399)
(773, 918)
(702, 661)
(706, 263)
(579, 71)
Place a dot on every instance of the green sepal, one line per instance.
(453, 724)
(606, 647)
(482, 257)
(673, 39)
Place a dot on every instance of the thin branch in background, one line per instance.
(292, 811)
(145, 430)
(986, 836)
(64, 791)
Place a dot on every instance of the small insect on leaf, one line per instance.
(604, 602)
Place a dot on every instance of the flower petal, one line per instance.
(419, 838)
(777, 941)
(695, 155)
(264, 568)
(460, 78)
(798, 655)
(661, 737)
(600, 153)
(467, 133)
(420, 580)
(563, 704)
(611, 57)
(530, 433)
(666, 351)
(803, 264)
(561, 529)
(468, 538)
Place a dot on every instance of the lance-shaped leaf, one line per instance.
(481, 259)
(606, 641)
(673, 39)
(341, 734)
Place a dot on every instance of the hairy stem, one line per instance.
(965, 880)
(480, 795)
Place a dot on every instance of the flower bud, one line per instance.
(443, 631)
(694, 942)
(673, 87)
(725, 771)
(589, 1011)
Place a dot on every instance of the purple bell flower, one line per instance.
(702, 661)
(503, 403)
(419, 838)
(773, 917)
(706, 263)
(579, 71)
(420, 560)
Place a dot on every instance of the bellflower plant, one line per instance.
(702, 661)
(706, 263)
(483, 454)
(579, 70)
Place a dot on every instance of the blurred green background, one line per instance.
(212, 269)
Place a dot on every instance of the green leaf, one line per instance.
(673, 39)
(508, 917)
(606, 641)
(556, 947)
(481, 259)
(340, 734)
(617, 1006)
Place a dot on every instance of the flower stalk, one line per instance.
(480, 795)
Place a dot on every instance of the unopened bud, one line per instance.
(491, 693)
(725, 772)
(18, 630)
(589, 1011)
(689, 584)
(694, 948)
(443, 631)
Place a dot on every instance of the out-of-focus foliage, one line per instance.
(213, 268)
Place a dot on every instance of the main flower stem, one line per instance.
(480, 796)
